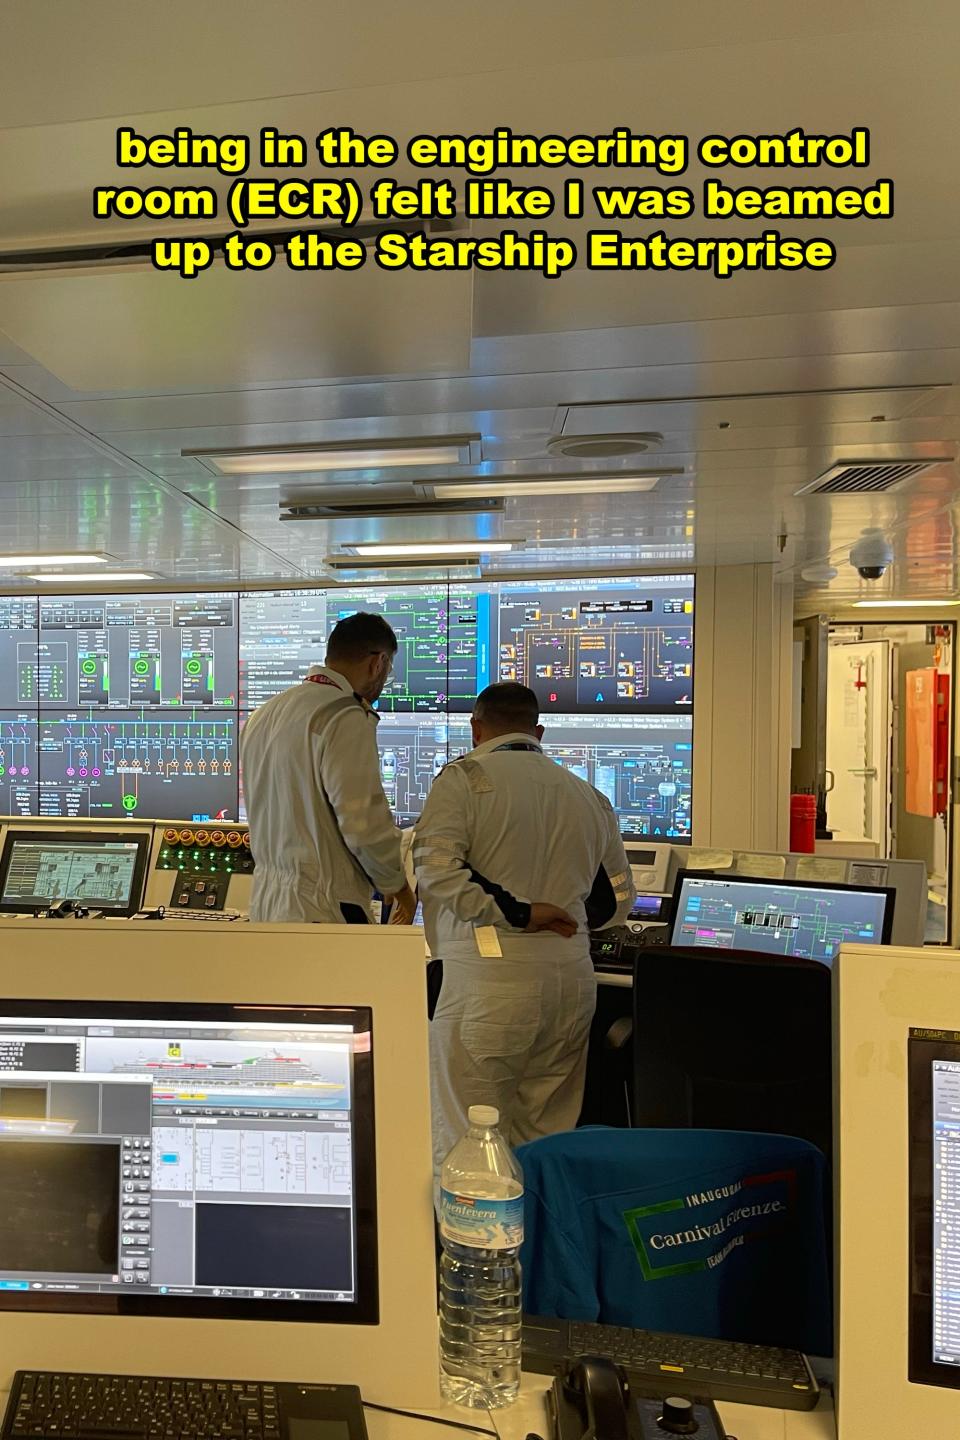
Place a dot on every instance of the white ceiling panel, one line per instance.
(910, 330)
(155, 329)
(153, 57)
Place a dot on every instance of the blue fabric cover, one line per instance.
(701, 1232)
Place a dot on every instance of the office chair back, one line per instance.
(715, 1233)
(732, 1040)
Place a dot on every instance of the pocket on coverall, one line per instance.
(501, 1020)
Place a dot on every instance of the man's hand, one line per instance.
(402, 906)
(551, 917)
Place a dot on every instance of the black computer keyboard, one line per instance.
(685, 1364)
(127, 1407)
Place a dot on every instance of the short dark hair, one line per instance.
(357, 636)
(513, 706)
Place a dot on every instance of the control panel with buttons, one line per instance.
(136, 1173)
(205, 860)
(199, 892)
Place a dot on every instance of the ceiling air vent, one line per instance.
(604, 447)
(868, 477)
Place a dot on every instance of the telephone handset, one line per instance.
(601, 1389)
(594, 1401)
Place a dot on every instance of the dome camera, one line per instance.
(872, 555)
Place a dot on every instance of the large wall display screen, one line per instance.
(130, 706)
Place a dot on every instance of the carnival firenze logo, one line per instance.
(699, 1231)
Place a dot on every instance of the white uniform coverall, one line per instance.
(502, 828)
(321, 831)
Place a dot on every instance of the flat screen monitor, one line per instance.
(648, 907)
(616, 646)
(777, 917)
(214, 1161)
(135, 764)
(122, 651)
(273, 1077)
(101, 871)
(934, 1127)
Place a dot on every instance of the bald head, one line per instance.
(505, 709)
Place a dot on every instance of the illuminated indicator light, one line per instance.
(674, 1369)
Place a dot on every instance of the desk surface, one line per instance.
(745, 1422)
(529, 1415)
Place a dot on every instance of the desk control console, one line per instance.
(614, 951)
(180, 867)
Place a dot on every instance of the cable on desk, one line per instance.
(431, 1419)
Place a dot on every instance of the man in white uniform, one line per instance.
(517, 860)
(321, 831)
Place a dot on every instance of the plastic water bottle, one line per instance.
(481, 1229)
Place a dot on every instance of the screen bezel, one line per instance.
(923, 1047)
(888, 891)
(365, 1309)
(77, 839)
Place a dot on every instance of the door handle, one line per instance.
(833, 781)
(871, 772)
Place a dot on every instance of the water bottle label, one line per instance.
(486, 1224)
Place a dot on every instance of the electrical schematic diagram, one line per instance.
(18, 762)
(610, 649)
(809, 924)
(138, 650)
(644, 770)
(175, 677)
(243, 1162)
(104, 874)
(137, 763)
(419, 621)
(19, 638)
(413, 751)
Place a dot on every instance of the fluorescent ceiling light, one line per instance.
(30, 562)
(439, 547)
(901, 604)
(348, 455)
(594, 484)
(101, 575)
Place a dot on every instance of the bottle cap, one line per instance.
(485, 1115)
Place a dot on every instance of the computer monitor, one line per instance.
(100, 871)
(934, 1122)
(897, 1047)
(647, 908)
(777, 917)
(217, 1154)
(217, 1161)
